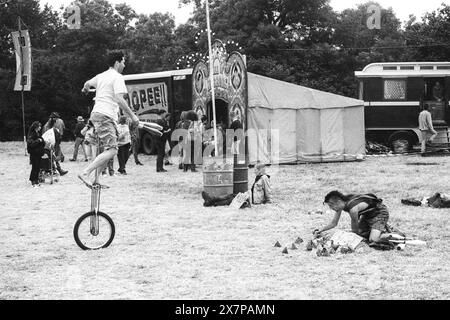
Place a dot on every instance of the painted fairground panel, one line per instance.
(230, 86)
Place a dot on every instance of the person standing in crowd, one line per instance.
(168, 145)
(204, 132)
(134, 133)
(35, 148)
(90, 143)
(109, 98)
(58, 124)
(426, 128)
(124, 143)
(50, 149)
(189, 156)
(236, 124)
(183, 124)
(161, 141)
(79, 138)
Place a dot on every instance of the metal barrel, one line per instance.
(217, 176)
(240, 174)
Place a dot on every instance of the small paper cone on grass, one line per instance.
(285, 251)
(293, 247)
(278, 245)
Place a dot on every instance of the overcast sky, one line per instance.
(402, 8)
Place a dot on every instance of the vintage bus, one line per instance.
(395, 93)
(151, 94)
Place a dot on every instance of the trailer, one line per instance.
(394, 94)
(151, 94)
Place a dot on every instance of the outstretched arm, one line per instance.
(331, 225)
(126, 109)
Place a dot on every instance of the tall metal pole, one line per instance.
(22, 84)
(211, 77)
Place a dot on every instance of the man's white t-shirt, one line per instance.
(108, 84)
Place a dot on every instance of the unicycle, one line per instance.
(94, 230)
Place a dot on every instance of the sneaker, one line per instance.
(72, 160)
(139, 163)
(86, 160)
(161, 170)
(63, 172)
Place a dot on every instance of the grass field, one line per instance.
(168, 246)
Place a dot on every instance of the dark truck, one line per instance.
(151, 94)
(394, 94)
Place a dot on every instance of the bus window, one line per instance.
(395, 89)
(435, 89)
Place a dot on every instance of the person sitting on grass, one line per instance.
(369, 216)
(261, 190)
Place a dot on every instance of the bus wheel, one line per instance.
(401, 141)
(148, 144)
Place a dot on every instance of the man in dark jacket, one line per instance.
(35, 148)
(163, 121)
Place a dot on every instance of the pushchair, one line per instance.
(48, 170)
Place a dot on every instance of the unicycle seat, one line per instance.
(97, 186)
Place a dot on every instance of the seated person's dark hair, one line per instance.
(334, 194)
(204, 117)
(114, 56)
(425, 106)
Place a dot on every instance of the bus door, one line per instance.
(434, 96)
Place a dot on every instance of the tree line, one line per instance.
(299, 41)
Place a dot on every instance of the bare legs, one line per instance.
(99, 162)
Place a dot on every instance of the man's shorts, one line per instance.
(427, 134)
(377, 221)
(106, 130)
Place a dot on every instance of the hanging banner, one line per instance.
(148, 100)
(22, 46)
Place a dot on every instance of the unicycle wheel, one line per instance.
(84, 236)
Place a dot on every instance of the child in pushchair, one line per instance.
(50, 167)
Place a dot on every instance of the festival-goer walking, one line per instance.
(35, 148)
(58, 124)
(168, 145)
(109, 97)
(190, 156)
(183, 124)
(124, 143)
(90, 143)
(135, 142)
(236, 124)
(51, 151)
(79, 138)
(161, 141)
(426, 128)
